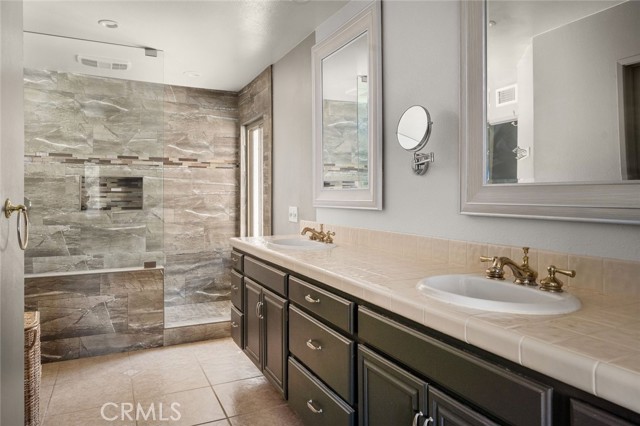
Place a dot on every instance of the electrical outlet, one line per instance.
(293, 214)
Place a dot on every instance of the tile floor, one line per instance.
(213, 382)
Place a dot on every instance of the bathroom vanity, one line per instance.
(346, 344)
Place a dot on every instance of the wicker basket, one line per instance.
(32, 368)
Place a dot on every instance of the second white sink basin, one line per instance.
(298, 244)
(476, 292)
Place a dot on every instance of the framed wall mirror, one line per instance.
(347, 115)
(550, 102)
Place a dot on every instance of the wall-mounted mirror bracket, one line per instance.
(421, 162)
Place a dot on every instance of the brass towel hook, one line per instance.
(9, 208)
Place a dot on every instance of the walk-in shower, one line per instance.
(133, 187)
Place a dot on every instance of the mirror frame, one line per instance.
(368, 20)
(590, 202)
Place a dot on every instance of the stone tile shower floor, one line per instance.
(197, 313)
(213, 382)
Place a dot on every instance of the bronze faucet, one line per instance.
(323, 237)
(523, 273)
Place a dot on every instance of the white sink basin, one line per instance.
(298, 244)
(476, 292)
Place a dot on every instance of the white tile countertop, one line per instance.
(596, 349)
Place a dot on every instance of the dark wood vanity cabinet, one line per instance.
(388, 394)
(265, 321)
(236, 295)
(340, 363)
(511, 398)
(583, 414)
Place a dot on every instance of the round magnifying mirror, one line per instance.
(414, 128)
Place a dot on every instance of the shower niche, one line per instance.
(111, 193)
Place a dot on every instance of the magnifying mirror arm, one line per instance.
(421, 162)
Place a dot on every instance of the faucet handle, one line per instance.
(494, 271)
(553, 284)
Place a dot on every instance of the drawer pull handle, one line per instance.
(416, 420)
(312, 408)
(310, 299)
(234, 287)
(310, 345)
(234, 324)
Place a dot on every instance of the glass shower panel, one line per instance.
(94, 156)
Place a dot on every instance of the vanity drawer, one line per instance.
(334, 309)
(236, 289)
(266, 275)
(236, 260)
(506, 395)
(236, 327)
(314, 402)
(328, 354)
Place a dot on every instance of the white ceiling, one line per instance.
(227, 42)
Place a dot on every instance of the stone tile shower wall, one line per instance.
(201, 193)
(182, 142)
(94, 314)
(86, 127)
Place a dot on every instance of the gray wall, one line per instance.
(11, 185)
(292, 134)
(421, 48)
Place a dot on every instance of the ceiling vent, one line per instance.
(507, 95)
(104, 63)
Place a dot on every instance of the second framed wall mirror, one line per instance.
(546, 129)
(347, 122)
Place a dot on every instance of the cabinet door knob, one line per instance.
(310, 299)
(312, 408)
(234, 287)
(311, 346)
(234, 324)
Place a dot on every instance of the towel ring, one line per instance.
(9, 208)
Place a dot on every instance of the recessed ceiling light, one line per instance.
(108, 23)
(193, 74)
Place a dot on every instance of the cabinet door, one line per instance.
(237, 324)
(446, 411)
(274, 313)
(252, 335)
(388, 395)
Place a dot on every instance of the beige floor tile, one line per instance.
(45, 396)
(158, 358)
(214, 349)
(49, 373)
(187, 408)
(93, 367)
(247, 396)
(77, 395)
(168, 378)
(218, 423)
(278, 416)
(91, 417)
(229, 368)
